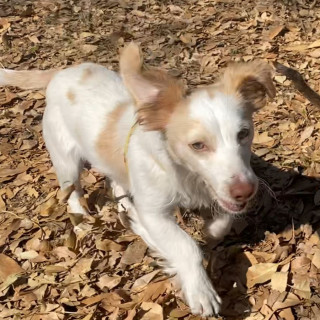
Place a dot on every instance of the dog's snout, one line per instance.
(241, 191)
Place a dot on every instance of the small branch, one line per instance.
(299, 83)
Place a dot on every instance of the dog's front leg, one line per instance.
(157, 227)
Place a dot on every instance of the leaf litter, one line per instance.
(267, 268)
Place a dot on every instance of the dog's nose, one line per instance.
(241, 191)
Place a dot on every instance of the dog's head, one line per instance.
(210, 132)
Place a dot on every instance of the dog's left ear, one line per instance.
(253, 81)
(155, 93)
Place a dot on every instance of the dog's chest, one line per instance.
(192, 192)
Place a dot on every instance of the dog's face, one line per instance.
(209, 132)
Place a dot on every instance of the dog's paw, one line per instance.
(201, 296)
(220, 227)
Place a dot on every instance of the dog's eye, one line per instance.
(199, 146)
(243, 134)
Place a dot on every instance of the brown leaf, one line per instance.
(8, 267)
(302, 286)
(307, 132)
(28, 144)
(82, 266)
(95, 299)
(134, 253)
(290, 300)
(260, 273)
(107, 245)
(7, 97)
(34, 39)
(275, 31)
(108, 282)
(88, 48)
(279, 281)
(178, 313)
(316, 259)
(8, 172)
(286, 314)
(144, 280)
(47, 208)
(315, 53)
(153, 311)
(263, 139)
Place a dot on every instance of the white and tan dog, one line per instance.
(160, 146)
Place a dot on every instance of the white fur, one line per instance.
(156, 182)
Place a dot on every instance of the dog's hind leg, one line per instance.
(65, 156)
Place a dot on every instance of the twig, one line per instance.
(299, 83)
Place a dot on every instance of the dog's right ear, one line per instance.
(155, 93)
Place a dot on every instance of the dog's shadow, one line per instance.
(293, 202)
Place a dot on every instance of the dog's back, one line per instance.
(82, 102)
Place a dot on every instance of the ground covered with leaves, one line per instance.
(267, 268)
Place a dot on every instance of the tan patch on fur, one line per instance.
(109, 146)
(71, 96)
(155, 92)
(86, 74)
(250, 81)
(155, 116)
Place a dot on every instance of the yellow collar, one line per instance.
(126, 146)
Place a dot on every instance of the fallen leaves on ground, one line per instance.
(267, 268)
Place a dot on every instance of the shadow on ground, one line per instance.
(273, 226)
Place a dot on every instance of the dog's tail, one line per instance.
(26, 79)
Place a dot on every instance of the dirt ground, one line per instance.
(267, 268)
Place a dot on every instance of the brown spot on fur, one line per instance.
(71, 96)
(86, 74)
(109, 145)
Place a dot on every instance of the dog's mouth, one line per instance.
(233, 207)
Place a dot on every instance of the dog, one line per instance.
(159, 145)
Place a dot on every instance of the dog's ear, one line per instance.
(252, 81)
(155, 93)
(131, 62)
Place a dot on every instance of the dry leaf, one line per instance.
(88, 48)
(279, 281)
(275, 31)
(8, 267)
(108, 282)
(289, 301)
(286, 314)
(28, 255)
(307, 132)
(153, 311)
(134, 253)
(177, 313)
(302, 286)
(260, 273)
(316, 259)
(47, 208)
(315, 53)
(193, 41)
(144, 280)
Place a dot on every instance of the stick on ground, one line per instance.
(299, 83)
